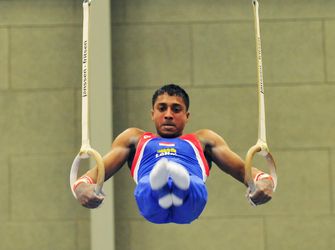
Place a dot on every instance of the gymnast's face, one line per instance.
(169, 115)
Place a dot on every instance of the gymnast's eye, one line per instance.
(176, 108)
(162, 107)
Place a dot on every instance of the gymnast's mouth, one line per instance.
(168, 125)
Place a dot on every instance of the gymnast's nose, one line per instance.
(168, 114)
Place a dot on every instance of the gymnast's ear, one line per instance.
(152, 113)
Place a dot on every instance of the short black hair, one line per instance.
(172, 90)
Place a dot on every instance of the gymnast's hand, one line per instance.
(87, 197)
(264, 189)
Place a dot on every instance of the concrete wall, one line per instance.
(208, 47)
(40, 81)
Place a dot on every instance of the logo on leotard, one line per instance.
(166, 151)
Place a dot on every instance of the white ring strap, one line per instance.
(261, 146)
(86, 150)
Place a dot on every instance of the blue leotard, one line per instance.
(185, 150)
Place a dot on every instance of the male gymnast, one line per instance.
(170, 168)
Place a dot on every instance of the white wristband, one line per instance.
(83, 179)
(262, 176)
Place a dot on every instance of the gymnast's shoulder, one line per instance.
(129, 136)
(208, 137)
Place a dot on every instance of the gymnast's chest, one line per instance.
(160, 147)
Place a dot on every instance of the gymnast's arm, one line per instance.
(228, 161)
(113, 161)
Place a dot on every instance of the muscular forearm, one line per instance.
(111, 163)
(239, 174)
(93, 173)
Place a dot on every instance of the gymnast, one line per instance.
(170, 168)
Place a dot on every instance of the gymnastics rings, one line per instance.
(86, 151)
(261, 146)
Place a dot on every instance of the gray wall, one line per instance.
(40, 81)
(208, 47)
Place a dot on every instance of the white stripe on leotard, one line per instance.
(139, 161)
(202, 166)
